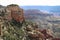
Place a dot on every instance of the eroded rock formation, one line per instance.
(34, 33)
(14, 12)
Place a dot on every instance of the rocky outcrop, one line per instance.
(14, 12)
(34, 33)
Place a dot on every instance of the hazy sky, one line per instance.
(30, 2)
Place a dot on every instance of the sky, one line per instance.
(31, 2)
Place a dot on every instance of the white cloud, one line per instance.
(30, 2)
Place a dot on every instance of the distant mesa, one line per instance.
(34, 13)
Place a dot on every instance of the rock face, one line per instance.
(1, 25)
(14, 12)
(34, 33)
